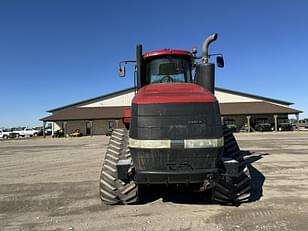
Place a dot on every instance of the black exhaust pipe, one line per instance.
(139, 65)
(205, 72)
(205, 76)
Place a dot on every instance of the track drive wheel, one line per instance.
(232, 190)
(112, 189)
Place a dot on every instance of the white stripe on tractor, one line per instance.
(204, 143)
(149, 143)
(188, 144)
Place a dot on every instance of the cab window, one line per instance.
(168, 70)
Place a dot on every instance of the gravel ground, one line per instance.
(52, 184)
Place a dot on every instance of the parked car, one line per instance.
(262, 127)
(25, 132)
(230, 123)
(6, 133)
(39, 131)
(48, 130)
(285, 127)
(303, 123)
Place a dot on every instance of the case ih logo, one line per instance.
(196, 122)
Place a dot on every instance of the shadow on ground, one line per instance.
(257, 178)
(181, 194)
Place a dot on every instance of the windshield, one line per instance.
(168, 70)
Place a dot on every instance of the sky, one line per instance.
(58, 52)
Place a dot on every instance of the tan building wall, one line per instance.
(100, 127)
(76, 124)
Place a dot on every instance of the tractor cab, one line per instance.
(167, 66)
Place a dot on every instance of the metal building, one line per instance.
(95, 116)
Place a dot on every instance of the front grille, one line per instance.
(176, 121)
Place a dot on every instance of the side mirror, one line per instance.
(121, 71)
(220, 61)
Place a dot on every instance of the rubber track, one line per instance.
(233, 190)
(113, 190)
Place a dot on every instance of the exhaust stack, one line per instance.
(139, 65)
(205, 72)
(205, 47)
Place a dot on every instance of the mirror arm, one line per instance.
(121, 70)
(127, 61)
(200, 57)
(218, 54)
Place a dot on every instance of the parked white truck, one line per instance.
(26, 132)
(5, 134)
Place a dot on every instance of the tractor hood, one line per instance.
(173, 93)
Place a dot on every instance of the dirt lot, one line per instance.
(52, 184)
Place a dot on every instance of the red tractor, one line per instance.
(174, 134)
